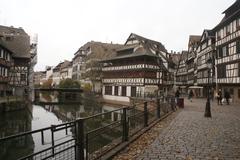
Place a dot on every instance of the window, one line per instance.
(238, 47)
(221, 71)
(108, 90)
(6, 72)
(124, 90)
(23, 77)
(232, 70)
(232, 48)
(228, 30)
(133, 91)
(116, 91)
(238, 23)
(219, 53)
(224, 51)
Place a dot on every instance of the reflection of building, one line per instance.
(11, 124)
(139, 68)
(17, 49)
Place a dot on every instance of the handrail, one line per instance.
(86, 143)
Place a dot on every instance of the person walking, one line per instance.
(219, 97)
(227, 96)
(177, 95)
(190, 95)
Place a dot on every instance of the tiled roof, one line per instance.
(16, 40)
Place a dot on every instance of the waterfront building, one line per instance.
(66, 70)
(49, 72)
(138, 69)
(21, 53)
(227, 34)
(86, 63)
(78, 65)
(39, 78)
(56, 77)
(5, 64)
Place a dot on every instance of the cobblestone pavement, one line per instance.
(191, 136)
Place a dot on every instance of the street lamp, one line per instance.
(208, 109)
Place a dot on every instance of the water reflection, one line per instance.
(13, 123)
(44, 116)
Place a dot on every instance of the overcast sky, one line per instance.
(65, 25)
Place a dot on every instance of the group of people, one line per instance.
(226, 96)
(219, 96)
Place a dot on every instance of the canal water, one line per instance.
(42, 115)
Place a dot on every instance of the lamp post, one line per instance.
(208, 109)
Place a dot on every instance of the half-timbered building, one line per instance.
(194, 41)
(138, 69)
(227, 34)
(205, 53)
(87, 66)
(17, 41)
(5, 64)
(181, 73)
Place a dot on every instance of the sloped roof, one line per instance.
(65, 64)
(148, 42)
(101, 50)
(143, 47)
(230, 13)
(16, 40)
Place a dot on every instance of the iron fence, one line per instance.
(91, 137)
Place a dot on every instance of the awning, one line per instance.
(195, 87)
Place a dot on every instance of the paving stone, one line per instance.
(192, 135)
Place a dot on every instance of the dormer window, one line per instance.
(9, 38)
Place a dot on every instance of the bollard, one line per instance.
(158, 108)
(80, 139)
(145, 115)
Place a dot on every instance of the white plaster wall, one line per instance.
(129, 91)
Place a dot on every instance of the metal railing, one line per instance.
(91, 137)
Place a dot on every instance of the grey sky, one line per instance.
(65, 25)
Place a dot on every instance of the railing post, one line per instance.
(145, 115)
(80, 139)
(125, 125)
(158, 108)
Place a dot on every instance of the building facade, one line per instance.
(86, 63)
(138, 69)
(17, 48)
(227, 34)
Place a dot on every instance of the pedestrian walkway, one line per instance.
(191, 136)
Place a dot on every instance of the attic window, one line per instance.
(9, 38)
